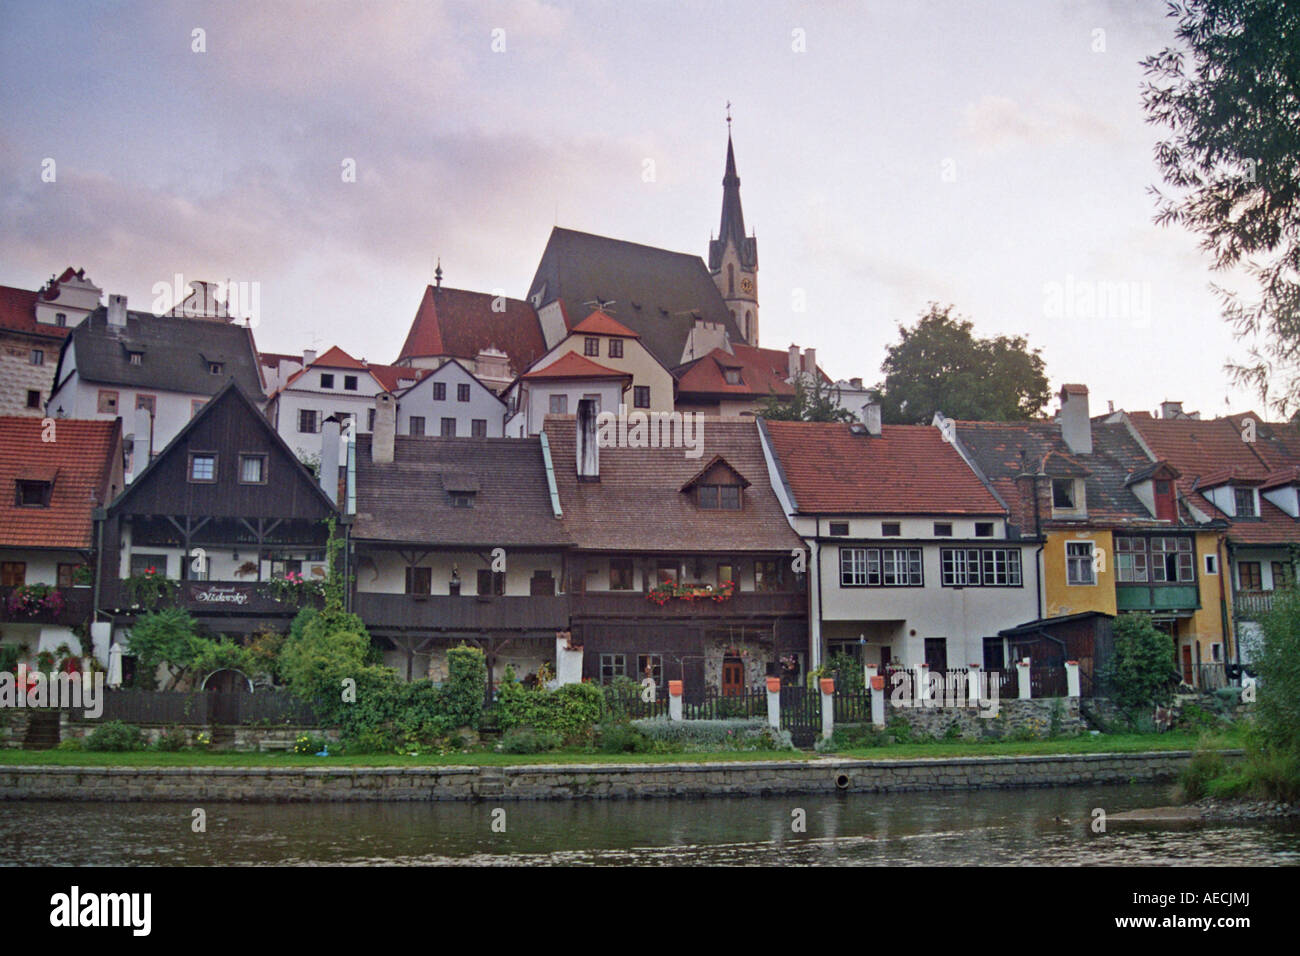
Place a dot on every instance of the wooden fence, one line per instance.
(185, 707)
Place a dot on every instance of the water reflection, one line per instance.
(1006, 827)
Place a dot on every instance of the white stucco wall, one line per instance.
(419, 401)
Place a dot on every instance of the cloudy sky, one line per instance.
(989, 155)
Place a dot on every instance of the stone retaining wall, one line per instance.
(596, 781)
(1014, 718)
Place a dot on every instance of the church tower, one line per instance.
(733, 256)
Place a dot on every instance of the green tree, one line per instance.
(814, 400)
(164, 639)
(939, 365)
(1278, 665)
(1142, 673)
(1228, 93)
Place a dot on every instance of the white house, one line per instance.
(451, 403)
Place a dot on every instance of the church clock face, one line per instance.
(747, 285)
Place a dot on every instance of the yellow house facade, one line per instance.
(605, 341)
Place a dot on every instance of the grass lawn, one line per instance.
(1117, 743)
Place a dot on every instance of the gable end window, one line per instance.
(350, 383)
(326, 380)
(439, 391)
(462, 392)
(615, 348)
(591, 346)
(203, 467)
(641, 396)
(252, 469)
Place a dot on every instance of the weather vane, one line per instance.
(728, 117)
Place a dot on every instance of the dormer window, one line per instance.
(718, 497)
(1166, 508)
(216, 367)
(33, 494)
(731, 376)
(461, 499)
(135, 358)
(1244, 499)
(1063, 494)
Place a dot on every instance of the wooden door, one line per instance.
(733, 677)
(1187, 664)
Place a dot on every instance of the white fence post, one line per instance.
(973, 685)
(1022, 668)
(878, 701)
(1072, 678)
(674, 700)
(774, 703)
(828, 707)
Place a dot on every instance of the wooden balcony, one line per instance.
(1251, 604)
(238, 598)
(472, 613)
(742, 604)
(76, 608)
(1159, 597)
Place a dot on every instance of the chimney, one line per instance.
(810, 362)
(871, 418)
(308, 356)
(383, 438)
(141, 441)
(794, 362)
(1171, 409)
(1076, 426)
(856, 383)
(117, 310)
(329, 457)
(587, 453)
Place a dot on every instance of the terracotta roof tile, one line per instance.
(18, 313)
(573, 365)
(907, 469)
(598, 323)
(459, 323)
(80, 459)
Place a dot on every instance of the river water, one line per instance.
(990, 827)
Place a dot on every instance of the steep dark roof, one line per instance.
(654, 292)
(639, 505)
(176, 354)
(403, 501)
(732, 228)
(460, 323)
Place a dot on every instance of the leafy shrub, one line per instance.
(900, 729)
(323, 649)
(72, 743)
(852, 737)
(466, 686)
(1278, 665)
(526, 740)
(1205, 766)
(171, 739)
(1142, 672)
(115, 736)
(570, 710)
(309, 744)
(621, 737)
(164, 637)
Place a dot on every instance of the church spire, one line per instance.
(733, 256)
(733, 218)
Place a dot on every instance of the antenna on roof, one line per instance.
(602, 304)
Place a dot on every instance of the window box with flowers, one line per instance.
(664, 593)
(35, 600)
(149, 589)
(293, 588)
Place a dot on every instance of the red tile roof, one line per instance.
(762, 372)
(573, 365)
(907, 469)
(18, 313)
(273, 359)
(598, 323)
(84, 459)
(390, 376)
(387, 376)
(459, 323)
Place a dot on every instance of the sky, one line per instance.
(993, 156)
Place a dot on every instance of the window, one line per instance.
(203, 467)
(983, 529)
(980, 567)
(69, 574)
(718, 497)
(107, 402)
(326, 379)
(215, 367)
(1249, 576)
(943, 529)
(640, 396)
(142, 561)
(419, 580)
(478, 427)
(33, 398)
(1211, 564)
(1245, 501)
(891, 529)
(1063, 494)
(1166, 507)
(135, 358)
(349, 383)
(880, 567)
(559, 404)
(13, 574)
(1216, 652)
(448, 428)
(611, 666)
(196, 405)
(370, 420)
(416, 426)
(620, 574)
(252, 469)
(767, 574)
(147, 401)
(38, 357)
(726, 572)
(731, 376)
(666, 573)
(307, 420)
(1131, 564)
(462, 392)
(461, 499)
(491, 582)
(839, 528)
(591, 346)
(1172, 561)
(439, 391)
(33, 494)
(1283, 574)
(651, 666)
(1078, 563)
(615, 348)
(61, 319)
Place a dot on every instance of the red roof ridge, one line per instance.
(602, 323)
(573, 365)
